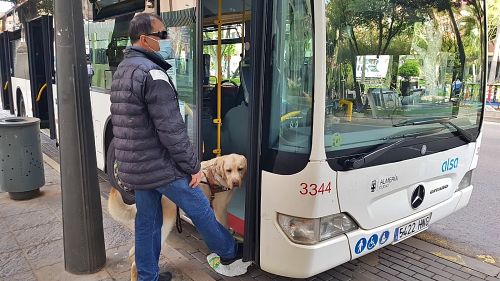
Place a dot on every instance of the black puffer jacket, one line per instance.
(152, 147)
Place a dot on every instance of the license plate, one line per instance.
(412, 228)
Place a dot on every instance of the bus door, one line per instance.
(5, 69)
(40, 50)
(229, 80)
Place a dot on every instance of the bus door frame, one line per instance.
(11, 36)
(6, 94)
(5, 60)
(46, 23)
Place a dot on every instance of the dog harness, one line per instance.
(214, 188)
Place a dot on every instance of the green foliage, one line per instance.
(410, 68)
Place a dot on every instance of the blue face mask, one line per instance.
(165, 49)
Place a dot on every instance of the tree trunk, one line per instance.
(461, 50)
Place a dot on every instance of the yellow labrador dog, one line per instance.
(220, 176)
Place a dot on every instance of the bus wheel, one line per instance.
(112, 166)
(22, 110)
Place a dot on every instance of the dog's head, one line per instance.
(231, 169)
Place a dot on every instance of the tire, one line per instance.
(111, 165)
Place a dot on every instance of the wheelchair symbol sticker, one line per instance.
(384, 237)
(372, 242)
(360, 246)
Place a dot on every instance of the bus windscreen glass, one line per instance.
(395, 67)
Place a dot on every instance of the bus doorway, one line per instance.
(226, 94)
(5, 90)
(40, 44)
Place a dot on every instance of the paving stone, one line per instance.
(13, 263)
(117, 236)
(395, 260)
(457, 272)
(404, 270)
(438, 271)
(339, 275)
(405, 277)
(25, 276)
(3, 226)
(370, 268)
(108, 221)
(387, 269)
(432, 263)
(422, 277)
(457, 278)
(56, 272)
(11, 207)
(474, 278)
(39, 234)
(425, 254)
(410, 255)
(440, 278)
(324, 276)
(421, 271)
(394, 254)
(45, 254)
(368, 276)
(489, 278)
(350, 266)
(117, 260)
(8, 243)
(388, 276)
(405, 247)
(449, 263)
(29, 220)
(473, 272)
(262, 277)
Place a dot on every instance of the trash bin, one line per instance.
(21, 162)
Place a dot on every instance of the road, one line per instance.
(474, 231)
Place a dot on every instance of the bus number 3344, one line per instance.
(315, 189)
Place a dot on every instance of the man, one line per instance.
(153, 152)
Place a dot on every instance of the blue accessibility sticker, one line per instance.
(360, 246)
(372, 242)
(384, 237)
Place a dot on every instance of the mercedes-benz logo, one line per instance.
(417, 196)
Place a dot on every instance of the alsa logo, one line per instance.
(449, 164)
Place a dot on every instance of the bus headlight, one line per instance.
(466, 180)
(312, 231)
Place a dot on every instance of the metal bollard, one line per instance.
(21, 161)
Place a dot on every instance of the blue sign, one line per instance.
(372, 242)
(449, 164)
(360, 246)
(383, 237)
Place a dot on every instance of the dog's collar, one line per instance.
(214, 188)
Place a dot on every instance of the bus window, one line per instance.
(107, 41)
(179, 51)
(397, 65)
(292, 81)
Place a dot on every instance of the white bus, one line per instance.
(361, 120)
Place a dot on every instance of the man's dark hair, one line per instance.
(141, 24)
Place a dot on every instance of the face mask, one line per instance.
(165, 49)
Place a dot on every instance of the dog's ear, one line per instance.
(244, 163)
(219, 167)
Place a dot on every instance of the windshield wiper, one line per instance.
(358, 162)
(445, 121)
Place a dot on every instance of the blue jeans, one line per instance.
(149, 219)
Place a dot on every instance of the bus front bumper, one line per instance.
(279, 255)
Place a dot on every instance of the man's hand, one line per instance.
(195, 180)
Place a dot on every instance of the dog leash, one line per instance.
(178, 221)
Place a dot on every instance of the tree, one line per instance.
(408, 69)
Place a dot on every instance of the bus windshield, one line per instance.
(397, 66)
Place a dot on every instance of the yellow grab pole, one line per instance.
(40, 92)
(349, 108)
(6, 85)
(218, 121)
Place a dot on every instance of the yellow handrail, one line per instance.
(6, 86)
(349, 108)
(39, 96)
(289, 115)
(218, 120)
